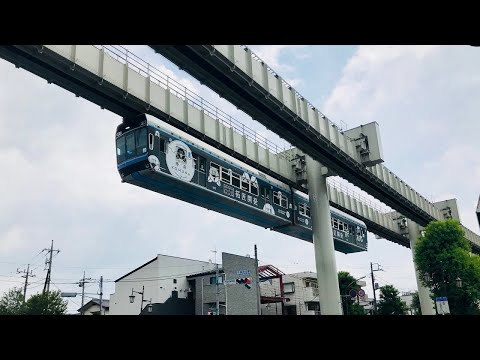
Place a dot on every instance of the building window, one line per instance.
(312, 305)
(289, 288)
(174, 281)
(212, 280)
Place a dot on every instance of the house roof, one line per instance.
(149, 262)
(303, 275)
(203, 273)
(105, 304)
(138, 268)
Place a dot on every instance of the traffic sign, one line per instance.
(353, 293)
(442, 305)
(361, 293)
(230, 282)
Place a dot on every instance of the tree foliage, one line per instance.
(444, 254)
(390, 303)
(49, 303)
(11, 303)
(415, 307)
(346, 283)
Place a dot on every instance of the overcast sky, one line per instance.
(59, 178)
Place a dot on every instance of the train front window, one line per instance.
(141, 140)
(121, 149)
(130, 142)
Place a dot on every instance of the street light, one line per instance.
(132, 299)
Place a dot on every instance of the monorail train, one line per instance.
(159, 157)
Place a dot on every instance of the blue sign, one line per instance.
(243, 272)
(353, 293)
(441, 298)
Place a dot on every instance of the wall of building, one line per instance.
(407, 298)
(95, 308)
(241, 300)
(205, 294)
(160, 277)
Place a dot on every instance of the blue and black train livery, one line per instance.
(156, 156)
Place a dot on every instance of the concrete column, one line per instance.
(426, 303)
(327, 276)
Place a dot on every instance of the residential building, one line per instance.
(159, 279)
(179, 286)
(93, 307)
(407, 298)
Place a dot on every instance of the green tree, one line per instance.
(415, 307)
(390, 303)
(12, 303)
(48, 303)
(357, 309)
(347, 282)
(442, 256)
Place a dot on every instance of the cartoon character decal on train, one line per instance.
(180, 161)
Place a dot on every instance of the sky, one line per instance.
(60, 182)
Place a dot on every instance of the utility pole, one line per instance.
(82, 285)
(217, 310)
(101, 293)
(258, 281)
(27, 274)
(373, 284)
(50, 251)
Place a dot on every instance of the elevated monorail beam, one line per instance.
(63, 72)
(213, 69)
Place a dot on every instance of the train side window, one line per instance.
(150, 141)
(245, 185)
(301, 209)
(335, 223)
(236, 180)
(202, 164)
(195, 161)
(130, 142)
(215, 166)
(276, 198)
(141, 140)
(162, 145)
(340, 225)
(254, 188)
(284, 202)
(121, 149)
(307, 212)
(226, 175)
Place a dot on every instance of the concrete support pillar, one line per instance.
(327, 276)
(426, 303)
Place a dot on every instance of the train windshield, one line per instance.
(132, 144)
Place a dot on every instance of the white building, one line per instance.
(300, 293)
(407, 298)
(159, 279)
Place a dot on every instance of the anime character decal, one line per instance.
(180, 161)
